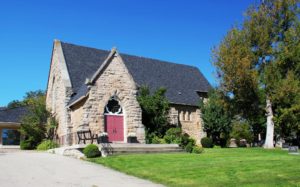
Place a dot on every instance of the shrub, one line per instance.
(157, 140)
(187, 143)
(91, 151)
(217, 147)
(185, 139)
(189, 147)
(197, 149)
(149, 137)
(207, 142)
(26, 145)
(173, 135)
(46, 144)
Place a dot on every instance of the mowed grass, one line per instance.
(214, 167)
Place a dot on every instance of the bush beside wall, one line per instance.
(91, 151)
(207, 142)
(47, 144)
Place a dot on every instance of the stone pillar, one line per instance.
(69, 137)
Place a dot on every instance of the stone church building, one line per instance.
(97, 89)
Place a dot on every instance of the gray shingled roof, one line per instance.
(181, 81)
(13, 115)
(3, 108)
(82, 62)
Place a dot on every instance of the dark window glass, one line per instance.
(113, 107)
(10, 137)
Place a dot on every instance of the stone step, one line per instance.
(119, 152)
(117, 149)
(10, 150)
(143, 145)
(146, 149)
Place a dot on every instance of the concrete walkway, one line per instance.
(36, 169)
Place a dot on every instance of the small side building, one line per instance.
(10, 121)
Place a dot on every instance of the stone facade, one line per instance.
(59, 92)
(114, 80)
(189, 119)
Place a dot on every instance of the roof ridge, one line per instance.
(144, 70)
(131, 55)
(162, 61)
(85, 46)
(7, 108)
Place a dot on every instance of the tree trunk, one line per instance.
(269, 142)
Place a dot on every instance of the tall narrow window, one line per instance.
(191, 116)
(187, 116)
(53, 95)
(181, 116)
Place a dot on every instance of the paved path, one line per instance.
(34, 169)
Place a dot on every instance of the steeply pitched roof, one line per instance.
(181, 81)
(82, 62)
(13, 115)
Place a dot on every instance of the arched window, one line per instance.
(191, 116)
(113, 107)
(181, 116)
(187, 116)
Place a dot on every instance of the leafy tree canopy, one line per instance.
(38, 123)
(216, 116)
(260, 60)
(155, 108)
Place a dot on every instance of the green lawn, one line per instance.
(214, 167)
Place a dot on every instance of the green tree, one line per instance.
(29, 95)
(155, 108)
(33, 125)
(38, 123)
(15, 104)
(216, 116)
(255, 57)
(241, 130)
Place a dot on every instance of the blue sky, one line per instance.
(181, 31)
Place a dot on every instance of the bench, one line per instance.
(85, 135)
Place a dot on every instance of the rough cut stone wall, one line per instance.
(77, 116)
(189, 119)
(59, 92)
(115, 80)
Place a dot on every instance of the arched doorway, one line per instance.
(114, 122)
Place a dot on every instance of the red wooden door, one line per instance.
(114, 127)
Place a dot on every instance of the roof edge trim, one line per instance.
(78, 100)
(104, 64)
